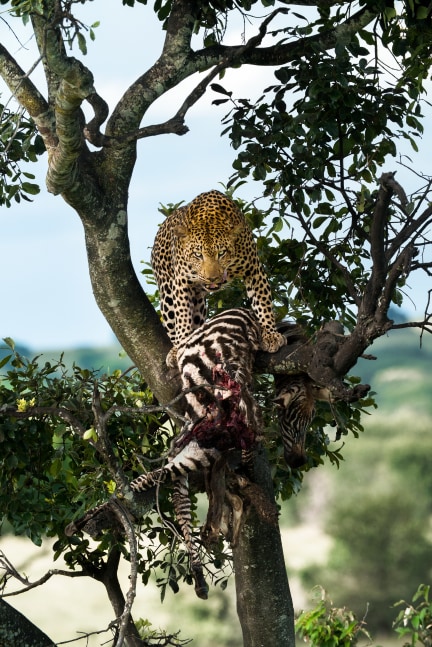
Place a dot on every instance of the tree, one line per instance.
(318, 154)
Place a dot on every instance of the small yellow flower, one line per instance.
(22, 404)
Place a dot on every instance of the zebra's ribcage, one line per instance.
(219, 356)
(216, 363)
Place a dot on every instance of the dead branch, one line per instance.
(11, 572)
(125, 620)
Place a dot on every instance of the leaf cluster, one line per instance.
(372, 558)
(19, 142)
(341, 127)
(328, 626)
(414, 621)
(50, 471)
(210, 16)
(316, 141)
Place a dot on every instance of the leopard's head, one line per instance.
(206, 251)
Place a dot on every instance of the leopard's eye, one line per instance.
(198, 254)
(222, 252)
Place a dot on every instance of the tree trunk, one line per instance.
(117, 599)
(264, 603)
(16, 629)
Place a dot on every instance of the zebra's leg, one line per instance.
(144, 482)
(190, 459)
(215, 488)
(178, 470)
(226, 507)
(236, 509)
(182, 509)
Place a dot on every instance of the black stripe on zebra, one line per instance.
(190, 459)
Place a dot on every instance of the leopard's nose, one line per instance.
(215, 278)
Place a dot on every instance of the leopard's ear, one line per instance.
(180, 231)
(238, 229)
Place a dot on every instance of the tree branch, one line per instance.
(101, 111)
(18, 82)
(127, 626)
(399, 268)
(51, 48)
(378, 229)
(10, 571)
(170, 69)
(321, 247)
(413, 227)
(64, 169)
(28, 96)
(283, 53)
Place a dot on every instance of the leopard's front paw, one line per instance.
(171, 358)
(272, 341)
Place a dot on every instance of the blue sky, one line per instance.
(46, 296)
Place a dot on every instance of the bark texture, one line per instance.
(264, 603)
(16, 629)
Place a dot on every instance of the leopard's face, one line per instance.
(206, 256)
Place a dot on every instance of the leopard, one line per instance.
(197, 250)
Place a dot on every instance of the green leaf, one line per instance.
(422, 12)
(28, 187)
(221, 90)
(82, 44)
(319, 221)
(9, 342)
(5, 360)
(278, 225)
(90, 434)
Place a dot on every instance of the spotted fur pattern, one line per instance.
(199, 248)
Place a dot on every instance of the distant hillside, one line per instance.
(105, 359)
(399, 348)
(401, 373)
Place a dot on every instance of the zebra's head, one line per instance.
(295, 399)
